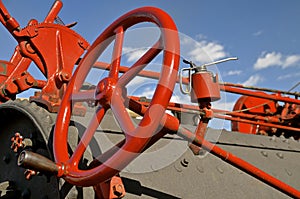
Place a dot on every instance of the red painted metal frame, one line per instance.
(268, 121)
(223, 87)
(63, 43)
(255, 119)
(172, 126)
(54, 48)
(110, 93)
(278, 97)
(112, 188)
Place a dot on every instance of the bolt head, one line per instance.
(118, 190)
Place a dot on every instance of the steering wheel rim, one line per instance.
(109, 94)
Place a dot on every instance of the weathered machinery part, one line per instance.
(34, 123)
(206, 176)
(252, 105)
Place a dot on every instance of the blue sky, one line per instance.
(264, 35)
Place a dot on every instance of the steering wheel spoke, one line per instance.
(122, 115)
(81, 96)
(117, 53)
(87, 137)
(140, 64)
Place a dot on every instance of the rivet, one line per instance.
(288, 172)
(264, 153)
(200, 169)
(280, 155)
(292, 138)
(184, 162)
(153, 168)
(202, 152)
(178, 167)
(273, 138)
(221, 171)
(262, 144)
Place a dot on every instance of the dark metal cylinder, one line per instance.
(37, 162)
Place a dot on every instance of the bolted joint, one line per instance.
(105, 90)
(29, 174)
(118, 190)
(29, 48)
(29, 80)
(10, 89)
(63, 77)
(208, 113)
(17, 142)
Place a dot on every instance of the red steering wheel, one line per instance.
(111, 94)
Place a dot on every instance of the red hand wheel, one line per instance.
(111, 94)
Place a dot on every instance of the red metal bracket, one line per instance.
(113, 188)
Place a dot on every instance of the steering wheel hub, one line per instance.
(104, 90)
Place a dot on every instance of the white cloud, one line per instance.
(267, 60)
(223, 105)
(258, 33)
(288, 76)
(233, 72)
(133, 54)
(201, 50)
(180, 98)
(201, 37)
(291, 60)
(147, 92)
(138, 81)
(253, 80)
(205, 52)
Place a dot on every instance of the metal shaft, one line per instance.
(37, 162)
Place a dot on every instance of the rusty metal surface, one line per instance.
(34, 123)
(19, 117)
